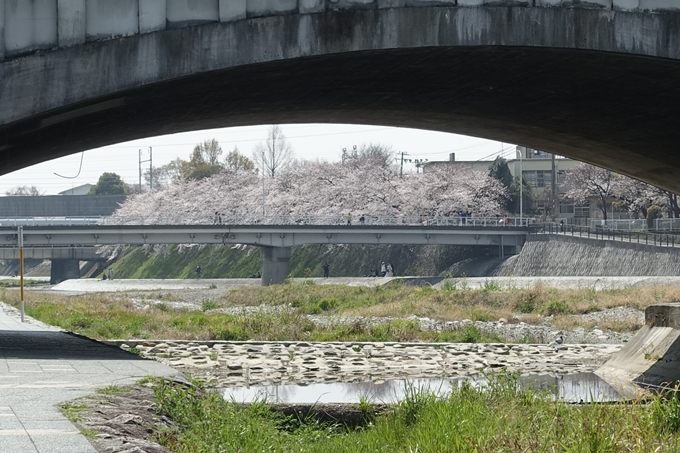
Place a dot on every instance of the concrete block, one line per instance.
(508, 2)
(384, 4)
(659, 5)
(152, 15)
(470, 2)
(663, 315)
(72, 17)
(311, 6)
(355, 4)
(417, 3)
(626, 5)
(29, 25)
(605, 4)
(107, 19)
(185, 13)
(231, 10)
(260, 8)
(2, 29)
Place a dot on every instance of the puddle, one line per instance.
(578, 387)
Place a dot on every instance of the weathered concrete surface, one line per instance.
(652, 357)
(275, 264)
(596, 83)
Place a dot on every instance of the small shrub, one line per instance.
(327, 304)
(449, 285)
(525, 305)
(491, 286)
(555, 307)
(209, 305)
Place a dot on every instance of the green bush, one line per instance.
(555, 307)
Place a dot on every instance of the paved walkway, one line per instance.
(40, 367)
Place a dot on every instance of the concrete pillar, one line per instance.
(64, 270)
(275, 264)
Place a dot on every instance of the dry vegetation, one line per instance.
(108, 316)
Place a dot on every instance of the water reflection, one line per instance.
(578, 387)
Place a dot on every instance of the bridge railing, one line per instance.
(50, 221)
(452, 221)
(637, 237)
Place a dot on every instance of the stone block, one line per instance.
(231, 10)
(184, 13)
(260, 8)
(107, 19)
(152, 15)
(311, 6)
(72, 19)
(470, 2)
(659, 5)
(548, 3)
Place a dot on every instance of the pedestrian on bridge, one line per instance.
(349, 219)
(326, 270)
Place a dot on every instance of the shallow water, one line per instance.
(578, 387)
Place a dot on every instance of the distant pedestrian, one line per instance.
(362, 219)
(219, 219)
(326, 270)
(110, 274)
(349, 219)
(198, 271)
(383, 269)
(390, 271)
(216, 218)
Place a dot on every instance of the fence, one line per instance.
(440, 221)
(637, 237)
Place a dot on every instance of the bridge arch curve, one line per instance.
(596, 84)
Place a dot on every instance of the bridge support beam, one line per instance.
(63, 269)
(275, 264)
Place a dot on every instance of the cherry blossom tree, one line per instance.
(586, 181)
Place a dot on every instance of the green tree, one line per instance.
(239, 163)
(203, 162)
(109, 184)
(500, 170)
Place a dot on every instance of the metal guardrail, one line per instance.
(637, 237)
(322, 220)
(49, 221)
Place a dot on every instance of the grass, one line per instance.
(114, 316)
(501, 418)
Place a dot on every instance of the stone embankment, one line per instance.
(231, 364)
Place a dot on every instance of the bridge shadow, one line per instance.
(41, 345)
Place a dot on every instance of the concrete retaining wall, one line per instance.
(29, 26)
(564, 256)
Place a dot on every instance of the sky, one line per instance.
(309, 141)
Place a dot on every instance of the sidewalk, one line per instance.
(40, 367)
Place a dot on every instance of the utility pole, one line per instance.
(553, 187)
(150, 161)
(401, 169)
(521, 188)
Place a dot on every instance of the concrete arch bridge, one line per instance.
(595, 80)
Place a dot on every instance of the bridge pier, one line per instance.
(64, 269)
(275, 264)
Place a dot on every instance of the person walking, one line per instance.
(383, 269)
(198, 271)
(349, 219)
(110, 274)
(326, 270)
(390, 271)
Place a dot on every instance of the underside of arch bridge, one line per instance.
(593, 80)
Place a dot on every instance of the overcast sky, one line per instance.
(309, 141)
